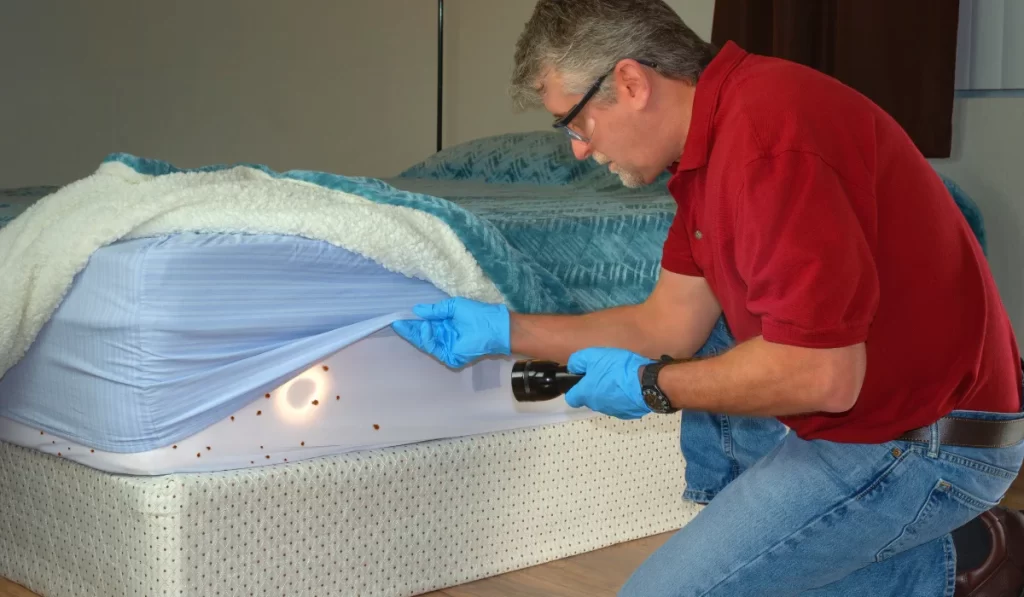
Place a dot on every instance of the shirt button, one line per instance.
(698, 234)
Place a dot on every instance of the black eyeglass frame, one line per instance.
(563, 122)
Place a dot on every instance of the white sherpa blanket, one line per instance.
(44, 248)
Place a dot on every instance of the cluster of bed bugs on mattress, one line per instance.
(259, 413)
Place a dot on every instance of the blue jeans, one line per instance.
(822, 518)
(718, 448)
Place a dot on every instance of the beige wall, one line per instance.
(300, 84)
(480, 38)
(307, 84)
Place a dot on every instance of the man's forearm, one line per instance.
(758, 378)
(556, 337)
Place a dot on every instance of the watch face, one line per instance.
(651, 398)
(657, 402)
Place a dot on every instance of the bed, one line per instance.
(360, 466)
(251, 426)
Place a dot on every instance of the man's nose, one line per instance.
(581, 150)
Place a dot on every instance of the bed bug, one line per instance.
(325, 368)
(376, 426)
(316, 402)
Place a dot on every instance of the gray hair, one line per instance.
(583, 39)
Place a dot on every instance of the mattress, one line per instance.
(377, 392)
(199, 352)
(391, 522)
(179, 337)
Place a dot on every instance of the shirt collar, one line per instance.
(705, 102)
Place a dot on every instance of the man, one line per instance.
(865, 316)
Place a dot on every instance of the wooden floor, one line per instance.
(9, 589)
(595, 574)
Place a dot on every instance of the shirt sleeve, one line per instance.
(676, 256)
(803, 248)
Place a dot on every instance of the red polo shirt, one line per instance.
(817, 223)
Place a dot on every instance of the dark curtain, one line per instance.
(899, 53)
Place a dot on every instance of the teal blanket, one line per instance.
(554, 234)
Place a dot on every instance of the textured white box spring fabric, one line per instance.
(389, 522)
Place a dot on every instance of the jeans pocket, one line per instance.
(946, 508)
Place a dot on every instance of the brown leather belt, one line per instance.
(970, 433)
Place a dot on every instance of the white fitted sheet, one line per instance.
(159, 338)
(378, 392)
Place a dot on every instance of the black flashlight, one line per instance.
(536, 381)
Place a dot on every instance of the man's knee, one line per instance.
(675, 568)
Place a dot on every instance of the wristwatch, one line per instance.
(653, 395)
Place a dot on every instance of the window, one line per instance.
(990, 45)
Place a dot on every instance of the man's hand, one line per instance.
(457, 331)
(611, 384)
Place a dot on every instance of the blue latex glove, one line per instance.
(611, 384)
(458, 330)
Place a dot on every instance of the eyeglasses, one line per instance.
(564, 122)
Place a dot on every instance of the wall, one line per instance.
(480, 40)
(988, 163)
(310, 84)
(342, 86)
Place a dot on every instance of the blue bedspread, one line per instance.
(15, 201)
(603, 247)
(555, 234)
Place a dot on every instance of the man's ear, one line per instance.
(633, 83)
